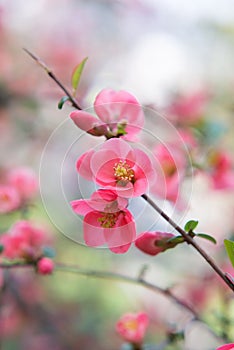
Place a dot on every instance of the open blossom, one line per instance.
(24, 240)
(221, 170)
(117, 166)
(9, 199)
(172, 163)
(24, 180)
(132, 327)
(106, 221)
(189, 109)
(153, 243)
(226, 347)
(119, 114)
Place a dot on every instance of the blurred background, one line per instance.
(168, 54)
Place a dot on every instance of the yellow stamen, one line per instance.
(123, 172)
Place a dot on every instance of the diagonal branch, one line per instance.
(191, 241)
(52, 76)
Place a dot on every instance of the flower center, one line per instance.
(131, 325)
(123, 172)
(108, 220)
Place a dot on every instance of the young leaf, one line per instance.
(190, 225)
(176, 240)
(48, 252)
(229, 245)
(62, 101)
(208, 237)
(77, 74)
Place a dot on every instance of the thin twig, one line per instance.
(122, 278)
(191, 241)
(52, 76)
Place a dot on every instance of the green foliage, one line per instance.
(77, 74)
(229, 245)
(49, 252)
(208, 237)
(190, 225)
(62, 101)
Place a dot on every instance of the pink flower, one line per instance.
(106, 220)
(226, 347)
(132, 327)
(119, 113)
(153, 243)
(117, 166)
(9, 199)
(172, 163)
(45, 266)
(190, 108)
(221, 172)
(24, 181)
(24, 240)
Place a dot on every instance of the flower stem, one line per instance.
(191, 241)
(52, 76)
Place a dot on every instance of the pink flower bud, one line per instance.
(132, 327)
(87, 122)
(153, 243)
(226, 347)
(45, 266)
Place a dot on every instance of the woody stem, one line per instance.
(191, 241)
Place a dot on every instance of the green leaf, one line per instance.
(48, 252)
(62, 101)
(208, 237)
(1, 248)
(176, 240)
(77, 74)
(190, 225)
(229, 245)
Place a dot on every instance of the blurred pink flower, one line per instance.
(172, 162)
(45, 266)
(221, 170)
(9, 199)
(117, 166)
(153, 243)
(226, 347)
(189, 109)
(24, 180)
(106, 220)
(119, 113)
(24, 240)
(132, 327)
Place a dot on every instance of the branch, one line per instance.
(110, 276)
(190, 240)
(52, 76)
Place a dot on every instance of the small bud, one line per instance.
(45, 266)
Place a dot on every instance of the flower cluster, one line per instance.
(18, 187)
(121, 171)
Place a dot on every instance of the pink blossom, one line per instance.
(106, 221)
(226, 347)
(190, 108)
(24, 240)
(45, 266)
(153, 243)
(132, 327)
(221, 170)
(9, 199)
(24, 180)
(117, 166)
(119, 114)
(172, 163)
